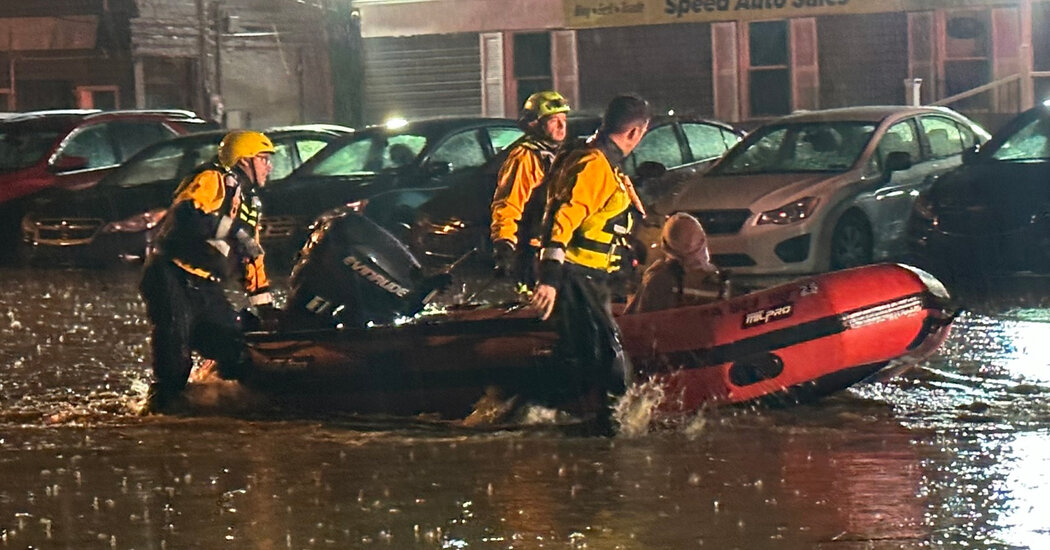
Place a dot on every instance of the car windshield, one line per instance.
(20, 148)
(798, 147)
(370, 154)
(169, 161)
(1029, 142)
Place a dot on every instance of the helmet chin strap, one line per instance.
(253, 175)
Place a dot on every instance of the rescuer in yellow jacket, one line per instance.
(517, 204)
(590, 208)
(210, 230)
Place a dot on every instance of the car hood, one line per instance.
(755, 191)
(990, 197)
(64, 203)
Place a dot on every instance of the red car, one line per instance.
(73, 149)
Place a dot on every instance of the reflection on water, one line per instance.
(954, 452)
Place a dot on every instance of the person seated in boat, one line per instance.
(685, 275)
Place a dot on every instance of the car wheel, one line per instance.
(851, 242)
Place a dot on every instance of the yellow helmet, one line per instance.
(242, 144)
(541, 104)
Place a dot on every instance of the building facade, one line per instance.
(244, 62)
(735, 60)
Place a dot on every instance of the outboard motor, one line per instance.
(352, 272)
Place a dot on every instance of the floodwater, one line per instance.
(952, 454)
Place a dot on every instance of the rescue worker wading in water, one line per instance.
(209, 230)
(517, 205)
(590, 210)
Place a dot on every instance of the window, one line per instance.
(106, 98)
(1028, 143)
(532, 64)
(800, 147)
(769, 79)
(943, 136)
(969, 139)
(162, 164)
(308, 148)
(707, 141)
(401, 150)
(462, 150)
(367, 154)
(20, 147)
(900, 137)
(283, 161)
(93, 144)
(131, 137)
(659, 144)
(966, 56)
(502, 137)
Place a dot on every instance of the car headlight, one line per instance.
(137, 223)
(793, 212)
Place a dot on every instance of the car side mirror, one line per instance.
(437, 168)
(650, 169)
(68, 163)
(897, 161)
(969, 155)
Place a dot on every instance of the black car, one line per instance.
(991, 215)
(116, 218)
(419, 154)
(456, 219)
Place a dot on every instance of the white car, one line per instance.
(822, 190)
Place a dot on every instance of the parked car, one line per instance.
(417, 154)
(823, 190)
(456, 219)
(116, 218)
(73, 149)
(991, 215)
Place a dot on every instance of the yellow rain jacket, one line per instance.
(589, 207)
(213, 223)
(519, 178)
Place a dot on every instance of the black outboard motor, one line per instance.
(352, 272)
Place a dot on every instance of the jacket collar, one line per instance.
(611, 151)
(541, 142)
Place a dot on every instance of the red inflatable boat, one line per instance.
(793, 342)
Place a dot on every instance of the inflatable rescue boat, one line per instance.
(794, 342)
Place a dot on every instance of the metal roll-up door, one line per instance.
(422, 76)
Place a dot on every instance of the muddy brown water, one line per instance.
(954, 453)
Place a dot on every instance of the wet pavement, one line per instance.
(954, 453)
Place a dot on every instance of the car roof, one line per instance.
(215, 135)
(436, 125)
(65, 119)
(333, 128)
(871, 113)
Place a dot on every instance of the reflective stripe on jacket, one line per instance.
(589, 209)
(212, 225)
(519, 178)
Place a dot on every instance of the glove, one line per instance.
(503, 256)
(269, 317)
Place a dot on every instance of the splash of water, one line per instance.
(635, 410)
